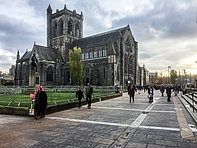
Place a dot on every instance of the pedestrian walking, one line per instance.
(89, 92)
(162, 89)
(176, 89)
(131, 92)
(79, 95)
(150, 94)
(40, 102)
(168, 92)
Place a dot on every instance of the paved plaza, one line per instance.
(108, 124)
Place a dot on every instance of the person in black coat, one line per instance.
(162, 89)
(168, 92)
(40, 102)
(89, 92)
(150, 93)
(131, 92)
(79, 95)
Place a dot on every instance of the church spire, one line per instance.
(65, 7)
(49, 10)
(18, 56)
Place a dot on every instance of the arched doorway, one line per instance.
(87, 80)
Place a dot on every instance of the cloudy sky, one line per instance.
(166, 30)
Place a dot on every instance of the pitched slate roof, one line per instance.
(45, 53)
(26, 56)
(99, 39)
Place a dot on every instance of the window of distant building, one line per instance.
(104, 53)
(91, 55)
(86, 56)
(111, 59)
(82, 56)
(100, 53)
(95, 54)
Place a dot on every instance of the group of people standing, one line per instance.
(40, 102)
(132, 89)
(80, 95)
(41, 97)
(168, 90)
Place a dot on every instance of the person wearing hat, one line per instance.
(40, 102)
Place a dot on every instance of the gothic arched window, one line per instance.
(70, 26)
(125, 63)
(60, 25)
(77, 30)
(131, 63)
(50, 74)
(55, 29)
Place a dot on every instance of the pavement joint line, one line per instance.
(113, 124)
(136, 123)
(159, 111)
(126, 109)
(111, 108)
(160, 128)
(87, 121)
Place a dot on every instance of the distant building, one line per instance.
(5, 79)
(109, 58)
(12, 70)
(144, 76)
(153, 78)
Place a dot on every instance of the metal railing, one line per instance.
(55, 95)
(191, 99)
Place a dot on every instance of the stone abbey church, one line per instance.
(109, 58)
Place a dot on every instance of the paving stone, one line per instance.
(108, 124)
(136, 145)
(166, 143)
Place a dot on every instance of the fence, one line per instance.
(191, 99)
(58, 94)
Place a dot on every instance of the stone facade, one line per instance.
(109, 58)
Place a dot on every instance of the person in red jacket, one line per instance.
(40, 102)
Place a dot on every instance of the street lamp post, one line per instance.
(169, 74)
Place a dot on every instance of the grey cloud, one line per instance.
(160, 31)
(144, 55)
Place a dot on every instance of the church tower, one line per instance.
(63, 27)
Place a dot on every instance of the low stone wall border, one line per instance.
(24, 111)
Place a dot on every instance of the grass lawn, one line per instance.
(24, 100)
